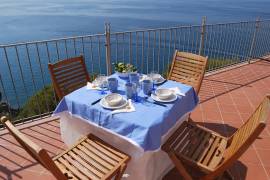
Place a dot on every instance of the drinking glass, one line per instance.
(112, 84)
(147, 86)
(152, 75)
(134, 77)
(129, 90)
(101, 81)
(136, 90)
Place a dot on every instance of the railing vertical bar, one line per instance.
(92, 58)
(148, 47)
(32, 75)
(234, 43)
(4, 92)
(74, 46)
(223, 39)
(184, 40)
(240, 46)
(123, 47)
(42, 75)
(21, 72)
(57, 50)
(12, 78)
(192, 39)
(197, 42)
(189, 43)
(169, 54)
(99, 56)
(130, 48)
(142, 65)
(48, 52)
(116, 54)
(66, 48)
(175, 37)
(159, 46)
(211, 48)
(153, 56)
(83, 47)
(137, 49)
(49, 60)
(164, 49)
(179, 38)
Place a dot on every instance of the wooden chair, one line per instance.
(90, 158)
(68, 75)
(188, 68)
(209, 152)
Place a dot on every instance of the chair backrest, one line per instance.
(239, 142)
(188, 68)
(68, 75)
(38, 153)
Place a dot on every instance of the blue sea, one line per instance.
(46, 19)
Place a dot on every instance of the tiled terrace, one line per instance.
(227, 99)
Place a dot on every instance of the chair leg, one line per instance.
(179, 166)
(121, 171)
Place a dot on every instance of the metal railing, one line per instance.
(24, 72)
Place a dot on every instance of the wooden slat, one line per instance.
(100, 153)
(68, 72)
(87, 164)
(199, 139)
(92, 161)
(64, 170)
(79, 75)
(176, 136)
(211, 151)
(95, 157)
(109, 151)
(195, 70)
(181, 63)
(72, 169)
(63, 63)
(200, 150)
(218, 154)
(67, 68)
(191, 56)
(185, 141)
(79, 167)
(191, 141)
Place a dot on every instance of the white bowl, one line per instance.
(113, 99)
(122, 75)
(163, 93)
(156, 77)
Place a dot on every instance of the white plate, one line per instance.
(105, 105)
(155, 98)
(160, 81)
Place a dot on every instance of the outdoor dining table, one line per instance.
(139, 134)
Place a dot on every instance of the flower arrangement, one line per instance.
(124, 68)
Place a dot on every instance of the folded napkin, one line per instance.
(92, 86)
(177, 91)
(128, 108)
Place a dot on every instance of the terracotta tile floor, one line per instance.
(226, 101)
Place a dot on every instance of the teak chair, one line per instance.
(90, 158)
(188, 68)
(68, 75)
(194, 146)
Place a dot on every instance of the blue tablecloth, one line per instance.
(145, 126)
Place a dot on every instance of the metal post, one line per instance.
(108, 48)
(253, 40)
(202, 35)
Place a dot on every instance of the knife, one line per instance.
(95, 102)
